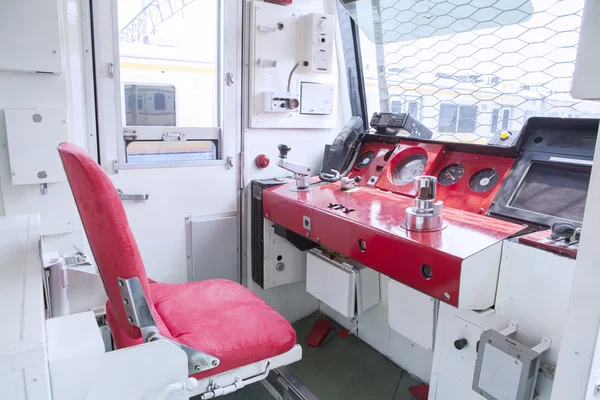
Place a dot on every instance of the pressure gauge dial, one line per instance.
(365, 159)
(484, 180)
(450, 174)
(408, 169)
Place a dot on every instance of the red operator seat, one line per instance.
(218, 317)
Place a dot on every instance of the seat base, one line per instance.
(235, 379)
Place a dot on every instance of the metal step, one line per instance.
(283, 384)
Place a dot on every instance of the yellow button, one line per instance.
(504, 135)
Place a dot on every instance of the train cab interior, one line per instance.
(299, 200)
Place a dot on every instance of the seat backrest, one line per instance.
(115, 250)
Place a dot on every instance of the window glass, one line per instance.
(473, 77)
(155, 105)
(151, 151)
(168, 59)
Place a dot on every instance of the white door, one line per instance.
(168, 106)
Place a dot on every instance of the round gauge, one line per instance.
(365, 159)
(484, 180)
(411, 166)
(450, 174)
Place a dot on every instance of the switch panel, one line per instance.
(317, 98)
(283, 102)
(317, 42)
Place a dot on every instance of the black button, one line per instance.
(460, 343)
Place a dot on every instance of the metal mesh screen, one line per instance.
(467, 85)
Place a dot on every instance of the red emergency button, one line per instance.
(262, 161)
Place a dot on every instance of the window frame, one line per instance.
(155, 133)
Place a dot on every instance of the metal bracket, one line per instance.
(129, 135)
(510, 329)
(111, 70)
(173, 136)
(229, 161)
(230, 79)
(139, 314)
(544, 345)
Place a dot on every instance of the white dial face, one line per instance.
(407, 170)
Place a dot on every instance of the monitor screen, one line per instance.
(557, 190)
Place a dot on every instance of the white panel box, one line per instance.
(317, 42)
(347, 289)
(316, 98)
(33, 136)
(283, 262)
(277, 47)
(412, 313)
(30, 36)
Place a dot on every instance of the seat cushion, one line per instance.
(219, 317)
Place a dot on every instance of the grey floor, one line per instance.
(345, 368)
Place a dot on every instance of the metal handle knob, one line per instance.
(425, 186)
(283, 150)
(132, 197)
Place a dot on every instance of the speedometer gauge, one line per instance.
(484, 180)
(450, 174)
(408, 169)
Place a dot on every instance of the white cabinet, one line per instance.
(346, 288)
(412, 313)
(23, 358)
(33, 136)
(30, 36)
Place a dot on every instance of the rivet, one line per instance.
(197, 367)
(130, 319)
(125, 301)
(447, 296)
(215, 363)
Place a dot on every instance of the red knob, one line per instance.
(262, 161)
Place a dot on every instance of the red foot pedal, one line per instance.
(421, 392)
(319, 333)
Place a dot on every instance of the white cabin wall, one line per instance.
(292, 301)
(46, 91)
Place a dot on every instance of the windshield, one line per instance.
(467, 84)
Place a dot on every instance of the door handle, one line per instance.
(132, 197)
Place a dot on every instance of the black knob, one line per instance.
(357, 179)
(283, 150)
(460, 343)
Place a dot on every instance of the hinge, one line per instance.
(116, 166)
(111, 70)
(229, 161)
(230, 79)
(242, 170)
(173, 136)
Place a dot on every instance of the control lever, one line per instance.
(301, 171)
(426, 214)
(347, 183)
(563, 230)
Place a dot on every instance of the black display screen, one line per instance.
(557, 190)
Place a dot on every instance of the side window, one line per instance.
(170, 91)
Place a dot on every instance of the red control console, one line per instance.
(457, 264)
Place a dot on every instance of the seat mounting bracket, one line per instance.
(139, 314)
